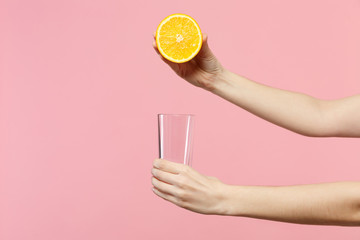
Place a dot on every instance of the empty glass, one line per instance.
(176, 137)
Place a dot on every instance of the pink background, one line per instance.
(81, 87)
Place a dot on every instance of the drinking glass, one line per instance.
(176, 137)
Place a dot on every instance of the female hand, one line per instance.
(202, 71)
(185, 187)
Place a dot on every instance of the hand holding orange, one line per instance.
(178, 38)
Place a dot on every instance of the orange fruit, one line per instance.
(178, 38)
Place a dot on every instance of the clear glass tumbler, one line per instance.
(176, 137)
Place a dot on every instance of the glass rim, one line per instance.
(176, 114)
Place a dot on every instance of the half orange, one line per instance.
(178, 38)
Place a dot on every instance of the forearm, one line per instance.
(294, 111)
(323, 204)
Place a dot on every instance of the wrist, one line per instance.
(219, 80)
(235, 202)
(230, 204)
(224, 83)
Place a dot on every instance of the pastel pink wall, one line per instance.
(81, 87)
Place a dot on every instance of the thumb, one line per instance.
(205, 51)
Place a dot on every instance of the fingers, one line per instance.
(205, 38)
(154, 43)
(205, 51)
(155, 47)
(166, 177)
(164, 187)
(168, 166)
(165, 196)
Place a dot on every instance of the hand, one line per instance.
(185, 187)
(202, 71)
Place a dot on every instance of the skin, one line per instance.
(297, 112)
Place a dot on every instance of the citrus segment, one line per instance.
(178, 38)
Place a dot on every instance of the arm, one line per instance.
(323, 204)
(297, 112)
